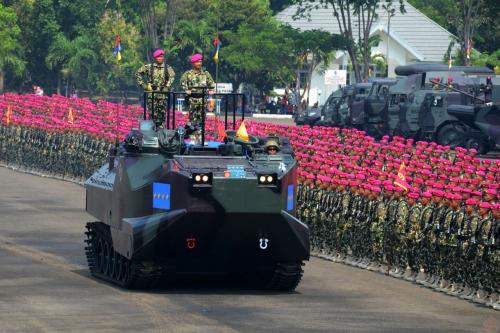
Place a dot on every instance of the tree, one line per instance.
(313, 49)
(9, 44)
(259, 54)
(486, 35)
(467, 22)
(346, 13)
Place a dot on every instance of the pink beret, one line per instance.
(485, 205)
(195, 58)
(158, 53)
(427, 194)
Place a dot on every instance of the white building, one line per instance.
(413, 37)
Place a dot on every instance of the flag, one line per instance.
(469, 48)
(217, 48)
(70, 116)
(400, 181)
(8, 115)
(118, 48)
(221, 132)
(242, 132)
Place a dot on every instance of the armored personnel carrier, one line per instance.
(168, 203)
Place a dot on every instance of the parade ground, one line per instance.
(45, 285)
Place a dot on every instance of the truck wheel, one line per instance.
(451, 135)
(481, 146)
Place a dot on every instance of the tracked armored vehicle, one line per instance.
(166, 205)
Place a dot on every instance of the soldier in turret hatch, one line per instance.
(157, 77)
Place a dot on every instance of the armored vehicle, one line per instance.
(169, 202)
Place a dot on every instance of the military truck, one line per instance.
(339, 105)
(371, 117)
(432, 106)
(169, 202)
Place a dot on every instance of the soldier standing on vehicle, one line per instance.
(193, 82)
(156, 77)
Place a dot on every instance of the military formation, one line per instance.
(157, 79)
(74, 155)
(441, 231)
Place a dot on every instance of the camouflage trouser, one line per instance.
(157, 109)
(412, 255)
(195, 110)
(377, 241)
(494, 270)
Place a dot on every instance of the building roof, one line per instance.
(421, 36)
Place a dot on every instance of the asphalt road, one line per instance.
(45, 286)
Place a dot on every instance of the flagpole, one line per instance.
(217, 62)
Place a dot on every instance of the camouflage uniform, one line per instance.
(377, 230)
(191, 79)
(414, 228)
(158, 77)
(423, 241)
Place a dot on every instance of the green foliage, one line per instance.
(446, 13)
(69, 43)
(9, 42)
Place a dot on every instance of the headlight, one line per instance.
(202, 179)
(267, 179)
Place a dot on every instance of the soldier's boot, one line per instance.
(492, 300)
(455, 289)
(409, 274)
(365, 263)
(442, 284)
(465, 291)
(470, 295)
(383, 268)
(480, 296)
(374, 266)
(421, 277)
(432, 281)
(394, 272)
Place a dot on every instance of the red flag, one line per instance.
(400, 180)
(118, 40)
(221, 133)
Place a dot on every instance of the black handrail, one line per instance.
(171, 105)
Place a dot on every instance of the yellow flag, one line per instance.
(8, 114)
(401, 178)
(70, 116)
(242, 132)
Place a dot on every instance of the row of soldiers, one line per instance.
(72, 155)
(157, 79)
(427, 239)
